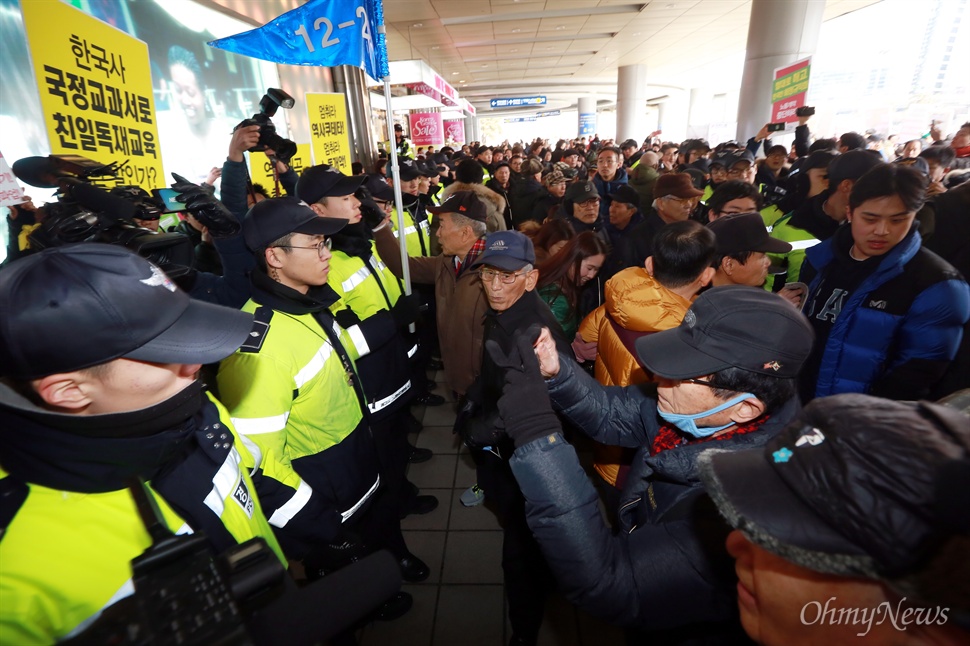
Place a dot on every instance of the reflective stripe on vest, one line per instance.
(381, 404)
(224, 482)
(315, 365)
(259, 425)
(292, 507)
(353, 510)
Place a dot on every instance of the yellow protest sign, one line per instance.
(329, 138)
(95, 88)
(261, 169)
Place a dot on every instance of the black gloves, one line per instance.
(524, 404)
(406, 309)
(372, 215)
(206, 208)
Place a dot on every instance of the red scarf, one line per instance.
(962, 152)
(670, 438)
(477, 249)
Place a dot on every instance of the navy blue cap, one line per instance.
(509, 250)
(270, 220)
(82, 305)
(407, 167)
(323, 180)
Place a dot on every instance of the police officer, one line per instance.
(99, 362)
(294, 393)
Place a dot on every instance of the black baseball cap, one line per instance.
(731, 326)
(378, 188)
(272, 219)
(509, 250)
(630, 143)
(850, 487)
(323, 180)
(740, 232)
(852, 165)
(732, 157)
(407, 167)
(464, 203)
(581, 192)
(82, 305)
(626, 194)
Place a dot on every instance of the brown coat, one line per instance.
(461, 308)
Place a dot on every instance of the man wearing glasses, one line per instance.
(298, 403)
(674, 200)
(726, 381)
(610, 175)
(509, 277)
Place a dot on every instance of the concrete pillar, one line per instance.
(631, 103)
(586, 126)
(673, 116)
(700, 112)
(350, 81)
(779, 33)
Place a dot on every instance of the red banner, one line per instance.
(455, 131)
(788, 90)
(427, 129)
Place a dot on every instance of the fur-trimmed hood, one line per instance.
(494, 203)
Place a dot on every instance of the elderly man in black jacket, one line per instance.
(508, 276)
(726, 381)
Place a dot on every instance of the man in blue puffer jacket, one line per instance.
(888, 314)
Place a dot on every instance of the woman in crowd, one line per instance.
(562, 276)
(551, 237)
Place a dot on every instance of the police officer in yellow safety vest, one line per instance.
(405, 149)
(417, 229)
(99, 361)
(294, 392)
(483, 155)
(371, 300)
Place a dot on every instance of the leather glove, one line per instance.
(206, 208)
(406, 310)
(524, 404)
(372, 214)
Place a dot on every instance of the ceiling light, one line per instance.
(484, 64)
(435, 47)
(636, 33)
(560, 27)
(547, 14)
(418, 24)
(516, 30)
(455, 73)
(512, 51)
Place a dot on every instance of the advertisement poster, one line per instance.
(788, 90)
(329, 138)
(95, 91)
(261, 169)
(427, 128)
(587, 124)
(455, 131)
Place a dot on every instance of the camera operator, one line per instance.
(236, 190)
(99, 363)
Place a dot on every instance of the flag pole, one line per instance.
(382, 64)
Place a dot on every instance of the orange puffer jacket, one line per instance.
(638, 303)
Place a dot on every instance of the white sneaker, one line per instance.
(473, 496)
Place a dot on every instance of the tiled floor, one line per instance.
(463, 602)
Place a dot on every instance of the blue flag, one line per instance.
(321, 32)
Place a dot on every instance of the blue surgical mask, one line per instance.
(687, 424)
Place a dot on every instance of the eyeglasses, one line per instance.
(387, 206)
(701, 382)
(507, 277)
(324, 245)
(735, 172)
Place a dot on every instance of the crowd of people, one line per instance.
(749, 338)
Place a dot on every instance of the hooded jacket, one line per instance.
(605, 188)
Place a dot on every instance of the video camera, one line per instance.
(268, 137)
(85, 212)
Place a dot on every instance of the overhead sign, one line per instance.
(329, 140)
(587, 124)
(95, 87)
(519, 119)
(550, 113)
(788, 90)
(518, 102)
